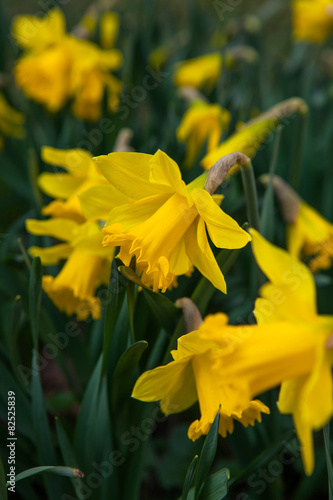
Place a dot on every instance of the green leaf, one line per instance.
(163, 309)
(207, 455)
(189, 477)
(68, 456)
(264, 457)
(60, 470)
(35, 295)
(215, 487)
(15, 319)
(122, 381)
(116, 294)
(104, 443)
(326, 431)
(85, 428)
(3, 489)
(46, 451)
(131, 299)
(267, 210)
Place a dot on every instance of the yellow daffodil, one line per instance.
(165, 223)
(81, 174)
(309, 234)
(200, 72)
(87, 267)
(203, 72)
(62, 67)
(312, 20)
(109, 29)
(195, 374)
(202, 122)
(290, 296)
(252, 135)
(11, 121)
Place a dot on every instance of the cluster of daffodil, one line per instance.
(57, 67)
(151, 214)
(139, 203)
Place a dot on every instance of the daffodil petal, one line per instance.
(76, 161)
(286, 271)
(135, 213)
(96, 202)
(173, 385)
(52, 255)
(223, 229)
(165, 172)
(58, 185)
(128, 172)
(63, 229)
(201, 255)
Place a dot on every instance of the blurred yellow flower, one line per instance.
(165, 223)
(199, 72)
(290, 296)
(312, 20)
(88, 264)
(11, 121)
(82, 173)
(311, 236)
(202, 122)
(57, 67)
(195, 374)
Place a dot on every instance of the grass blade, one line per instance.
(189, 477)
(35, 295)
(207, 456)
(326, 431)
(46, 451)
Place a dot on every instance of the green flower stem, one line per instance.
(250, 190)
(295, 173)
(267, 210)
(24, 253)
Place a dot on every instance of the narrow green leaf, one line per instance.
(15, 320)
(264, 457)
(3, 489)
(215, 487)
(116, 294)
(131, 298)
(104, 443)
(267, 210)
(84, 432)
(250, 191)
(122, 381)
(46, 451)
(8, 382)
(35, 295)
(65, 445)
(33, 172)
(68, 456)
(163, 309)
(207, 455)
(326, 431)
(59, 470)
(189, 477)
